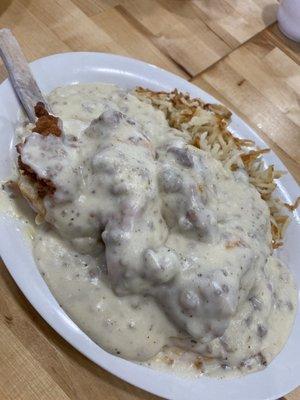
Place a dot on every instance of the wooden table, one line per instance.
(230, 48)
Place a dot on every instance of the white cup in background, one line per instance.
(288, 16)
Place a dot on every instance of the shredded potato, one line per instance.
(207, 125)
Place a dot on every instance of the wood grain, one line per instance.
(261, 83)
(237, 21)
(232, 49)
(188, 42)
(118, 25)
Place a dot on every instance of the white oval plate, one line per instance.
(279, 378)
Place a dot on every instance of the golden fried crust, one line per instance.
(40, 109)
(32, 187)
(46, 124)
(42, 186)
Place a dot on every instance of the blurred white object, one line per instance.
(289, 18)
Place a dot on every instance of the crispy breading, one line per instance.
(33, 187)
(42, 186)
(46, 123)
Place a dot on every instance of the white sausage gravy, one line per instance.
(154, 245)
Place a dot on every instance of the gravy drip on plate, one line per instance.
(159, 245)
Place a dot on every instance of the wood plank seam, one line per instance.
(275, 40)
(145, 32)
(252, 39)
(216, 33)
(236, 11)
